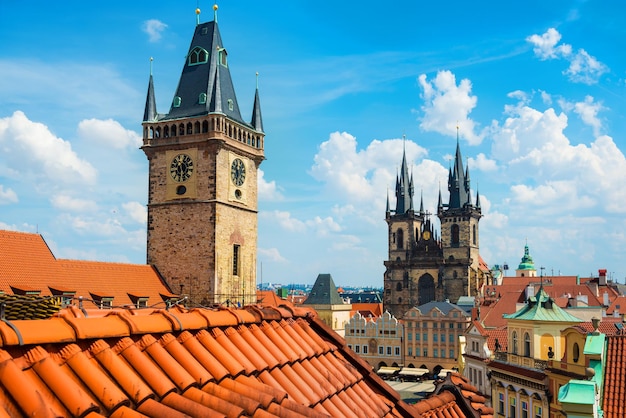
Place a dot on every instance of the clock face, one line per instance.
(238, 172)
(181, 168)
(426, 235)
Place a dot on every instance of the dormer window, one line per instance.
(222, 57)
(202, 98)
(177, 101)
(230, 104)
(198, 56)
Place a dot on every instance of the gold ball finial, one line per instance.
(215, 7)
(198, 11)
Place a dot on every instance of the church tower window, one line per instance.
(236, 254)
(400, 242)
(455, 235)
(198, 56)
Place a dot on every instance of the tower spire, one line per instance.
(257, 120)
(404, 185)
(150, 111)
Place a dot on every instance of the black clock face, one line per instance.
(181, 168)
(238, 172)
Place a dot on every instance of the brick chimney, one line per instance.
(602, 277)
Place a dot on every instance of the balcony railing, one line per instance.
(522, 361)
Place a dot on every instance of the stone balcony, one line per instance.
(521, 361)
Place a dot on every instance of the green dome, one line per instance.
(527, 261)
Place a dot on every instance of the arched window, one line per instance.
(455, 235)
(177, 101)
(202, 98)
(399, 286)
(514, 342)
(198, 56)
(576, 353)
(400, 240)
(526, 344)
(474, 234)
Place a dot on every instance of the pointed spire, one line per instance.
(257, 120)
(387, 211)
(477, 199)
(422, 202)
(458, 184)
(404, 187)
(439, 202)
(150, 111)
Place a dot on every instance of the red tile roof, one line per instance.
(454, 396)
(26, 263)
(257, 361)
(614, 398)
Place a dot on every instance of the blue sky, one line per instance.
(536, 88)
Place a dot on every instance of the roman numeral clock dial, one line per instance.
(181, 168)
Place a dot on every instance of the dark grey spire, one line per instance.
(477, 199)
(205, 84)
(422, 202)
(458, 182)
(150, 112)
(324, 292)
(404, 188)
(257, 120)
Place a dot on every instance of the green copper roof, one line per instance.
(578, 392)
(595, 344)
(542, 307)
(527, 260)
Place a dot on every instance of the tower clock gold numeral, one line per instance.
(238, 172)
(181, 168)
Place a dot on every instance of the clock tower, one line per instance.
(202, 193)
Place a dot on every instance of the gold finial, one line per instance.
(198, 11)
(215, 12)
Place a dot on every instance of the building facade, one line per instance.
(431, 335)
(424, 265)
(377, 340)
(519, 383)
(202, 194)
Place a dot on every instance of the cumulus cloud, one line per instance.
(588, 111)
(136, 211)
(29, 148)
(109, 133)
(73, 204)
(552, 173)
(7, 196)
(271, 254)
(154, 28)
(583, 68)
(448, 105)
(268, 190)
(360, 175)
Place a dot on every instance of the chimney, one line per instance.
(602, 277)
(605, 299)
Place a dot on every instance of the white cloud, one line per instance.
(323, 226)
(37, 152)
(360, 175)
(109, 133)
(270, 254)
(482, 163)
(588, 112)
(69, 203)
(448, 105)
(583, 67)
(284, 220)
(551, 173)
(268, 191)
(7, 196)
(136, 211)
(154, 28)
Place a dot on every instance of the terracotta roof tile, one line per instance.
(154, 368)
(614, 396)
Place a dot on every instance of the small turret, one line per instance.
(150, 111)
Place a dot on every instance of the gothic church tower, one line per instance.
(202, 194)
(423, 266)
